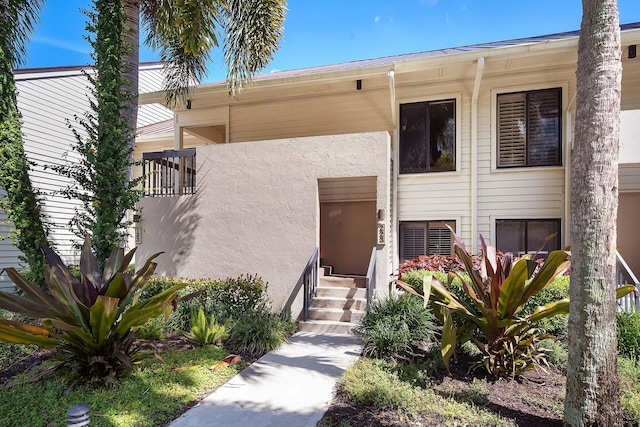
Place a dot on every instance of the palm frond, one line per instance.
(252, 31)
(184, 34)
(18, 19)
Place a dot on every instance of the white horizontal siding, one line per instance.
(629, 177)
(49, 100)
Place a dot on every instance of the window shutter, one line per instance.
(413, 240)
(512, 122)
(439, 239)
(544, 128)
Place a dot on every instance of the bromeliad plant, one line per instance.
(93, 320)
(498, 291)
(206, 331)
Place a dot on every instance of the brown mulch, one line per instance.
(534, 401)
(28, 362)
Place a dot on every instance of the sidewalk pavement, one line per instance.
(289, 387)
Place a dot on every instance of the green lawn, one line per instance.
(153, 395)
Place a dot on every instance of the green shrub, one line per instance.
(557, 290)
(373, 383)
(629, 373)
(493, 320)
(93, 322)
(206, 331)
(224, 299)
(628, 334)
(558, 325)
(557, 353)
(258, 333)
(421, 373)
(396, 327)
(153, 329)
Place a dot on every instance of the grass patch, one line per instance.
(152, 395)
(375, 383)
(629, 372)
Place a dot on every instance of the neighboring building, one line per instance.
(378, 153)
(49, 99)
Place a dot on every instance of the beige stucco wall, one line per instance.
(257, 211)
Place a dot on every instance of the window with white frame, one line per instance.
(529, 128)
(428, 136)
(521, 236)
(425, 238)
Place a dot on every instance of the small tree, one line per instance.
(21, 201)
(101, 177)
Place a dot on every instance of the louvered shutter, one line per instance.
(544, 128)
(439, 239)
(512, 120)
(413, 240)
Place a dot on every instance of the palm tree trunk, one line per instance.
(592, 397)
(132, 62)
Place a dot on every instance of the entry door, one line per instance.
(348, 223)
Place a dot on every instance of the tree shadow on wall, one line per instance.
(169, 225)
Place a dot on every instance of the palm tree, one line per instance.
(184, 32)
(593, 397)
(17, 18)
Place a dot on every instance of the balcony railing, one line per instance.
(624, 276)
(169, 172)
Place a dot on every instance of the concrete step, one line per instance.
(324, 271)
(326, 326)
(335, 314)
(345, 303)
(342, 281)
(342, 292)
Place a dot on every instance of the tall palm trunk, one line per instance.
(592, 383)
(132, 63)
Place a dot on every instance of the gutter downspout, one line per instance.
(474, 155)
(393, 218)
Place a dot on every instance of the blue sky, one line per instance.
(333, 31)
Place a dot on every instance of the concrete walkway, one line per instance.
(291, 386)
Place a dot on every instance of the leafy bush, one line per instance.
(498, 292)
(628, 334)
(259, 333)
(376, 384)
(557, 290)
(396, 327)
(629, 373)
(372, 383)
(557, 353)
(153, 329)
(236, 297)
(224, 299)
(92, 321)
(441, 263)
(206, 331)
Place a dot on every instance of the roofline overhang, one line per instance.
(399, 66)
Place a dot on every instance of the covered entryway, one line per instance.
(348, 223)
